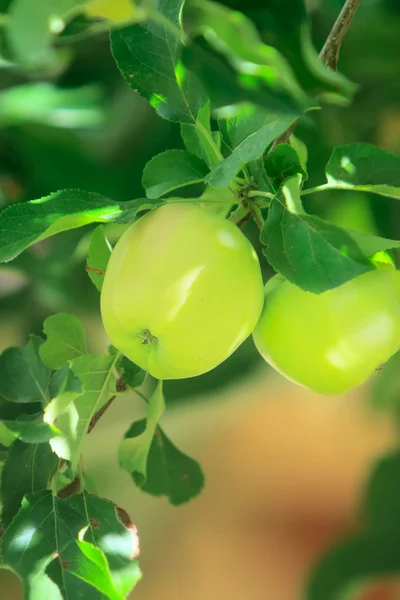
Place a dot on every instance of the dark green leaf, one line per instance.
(64, 381)
(65, 340)
(27, 469)
(250, 149)
(247, 120)
(170, 472)
(98, 257)
(382, 498)
(23, 377)
(171, 170)
(364, 167)
(353, 561)
(133, 451)
(30, 429)
(227, 86)
(133, 375)
(315, 254)
(148, 56)
(48, 537)
(24, 224)
(283, 162)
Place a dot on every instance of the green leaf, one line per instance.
(32, 27)
(315, 254)
(27, 469)
(133, 452)
(285, 25)
(24, 224)
(353, 561)
(381, 502)
(148, 56)
(171, 170)
(65, 340)
(282, 163)
(23, 377)
(45, 103)
(6, 436)
(246, 120)
(200, 140)
(30, 429)
(98, 257)
(48, 536)
(364, 167)
(229, 83)
(235, 36)
(250, 149)
(64, 382)
(170, 472)
(301, 149)
(111, 530)
(385, 392)
(98, 381)
(133, 375)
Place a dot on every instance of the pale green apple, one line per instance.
(183, 289)
(334, 341)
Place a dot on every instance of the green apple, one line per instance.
(183, 289)
(334, 341)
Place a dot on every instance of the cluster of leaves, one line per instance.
(193, 63)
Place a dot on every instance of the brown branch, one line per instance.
(331, 50)
(329, 53)
(120, 387)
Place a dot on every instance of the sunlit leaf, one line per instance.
(98, 257)
(65, 340)
(133, 451)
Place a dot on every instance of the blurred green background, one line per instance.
(82, 127)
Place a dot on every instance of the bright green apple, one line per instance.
(183, 289)
(334, 341)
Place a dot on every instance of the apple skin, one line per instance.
(182, 290)
(332, 342)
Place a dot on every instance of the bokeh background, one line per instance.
(285, 468)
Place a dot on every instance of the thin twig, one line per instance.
(331, 50)
(120, 387)
(329, 53)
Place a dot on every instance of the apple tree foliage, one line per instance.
(235, 84)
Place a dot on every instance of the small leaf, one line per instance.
(301, 149)
(21, 225)
(364, 167)
(170, 472)
(133, 375)
(23, 377)
(171, 170)
(200, 140)
(315, 254)
(27, 469)
(247, 120)
(148, 56)
(98, 257)
(133, 452)
(282, 163)
(65, 340)
(48, 537)
(250, 149)
(64, 382)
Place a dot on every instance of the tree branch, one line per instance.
(330, 52)
(120, 387)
